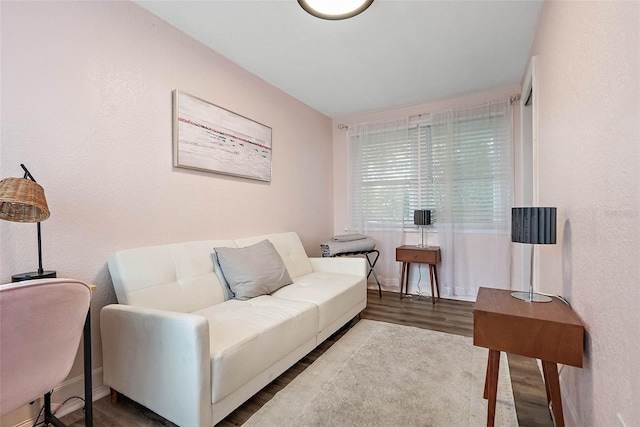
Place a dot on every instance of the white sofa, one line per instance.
(179, 346)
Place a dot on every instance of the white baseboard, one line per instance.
(69, 407)
(72, 387)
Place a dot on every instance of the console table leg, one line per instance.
(404, 278)
(485, 394)
(433, 295)
(114, 396)
(552, 384)
(491, 383)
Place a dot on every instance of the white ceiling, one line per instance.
(396, 53)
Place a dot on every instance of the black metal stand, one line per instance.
(371, 264)
(49, 418)
(48, 274)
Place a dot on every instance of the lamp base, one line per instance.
(526, 296)
(47, 274)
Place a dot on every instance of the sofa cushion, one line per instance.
(290, 249)
(247, 337)
(333, 293)
(253, 270)
(177, 277)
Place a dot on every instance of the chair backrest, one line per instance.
(41, 323)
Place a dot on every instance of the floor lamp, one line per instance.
(22, 200)
(536, 226)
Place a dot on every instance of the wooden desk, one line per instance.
(429, 255)
(550, 331)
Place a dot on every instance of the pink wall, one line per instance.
(589, 167)
(86, 105)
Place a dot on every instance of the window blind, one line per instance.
(383, 178)
(471, 170)
(462, 169)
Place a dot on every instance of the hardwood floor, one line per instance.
(455, 317)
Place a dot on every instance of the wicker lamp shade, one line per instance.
(22, 200)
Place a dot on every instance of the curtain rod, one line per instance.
(512, 99)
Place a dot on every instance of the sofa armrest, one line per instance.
(160, 359)
(344, 265)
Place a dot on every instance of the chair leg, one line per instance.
(49, 418)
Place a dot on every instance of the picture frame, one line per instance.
(210, 138)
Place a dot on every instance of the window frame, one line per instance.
(420, 139)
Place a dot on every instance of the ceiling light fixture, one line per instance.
(335, 9)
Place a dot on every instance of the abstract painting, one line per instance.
(212, 139)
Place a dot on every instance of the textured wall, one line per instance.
(589, 140)
(86, 105)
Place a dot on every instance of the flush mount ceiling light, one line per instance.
(335, 9)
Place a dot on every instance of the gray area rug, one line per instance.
(381, 374)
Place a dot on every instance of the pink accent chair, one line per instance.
(41, 323)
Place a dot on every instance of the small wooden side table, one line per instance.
(549, 331)
(427, 255)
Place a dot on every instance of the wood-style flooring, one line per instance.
(450, 316)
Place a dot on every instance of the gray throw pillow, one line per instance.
(218, 270)
(253, 270)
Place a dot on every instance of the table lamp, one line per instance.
(534, 225)
(422, 217)
(22, 200)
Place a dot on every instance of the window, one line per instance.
(460, 171)
(470, 160)
(385, 170)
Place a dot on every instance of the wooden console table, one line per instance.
(427, 255)
(549, 331)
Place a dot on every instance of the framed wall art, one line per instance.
(212, 139)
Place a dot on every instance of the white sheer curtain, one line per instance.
(472, 175)
(379, 172)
